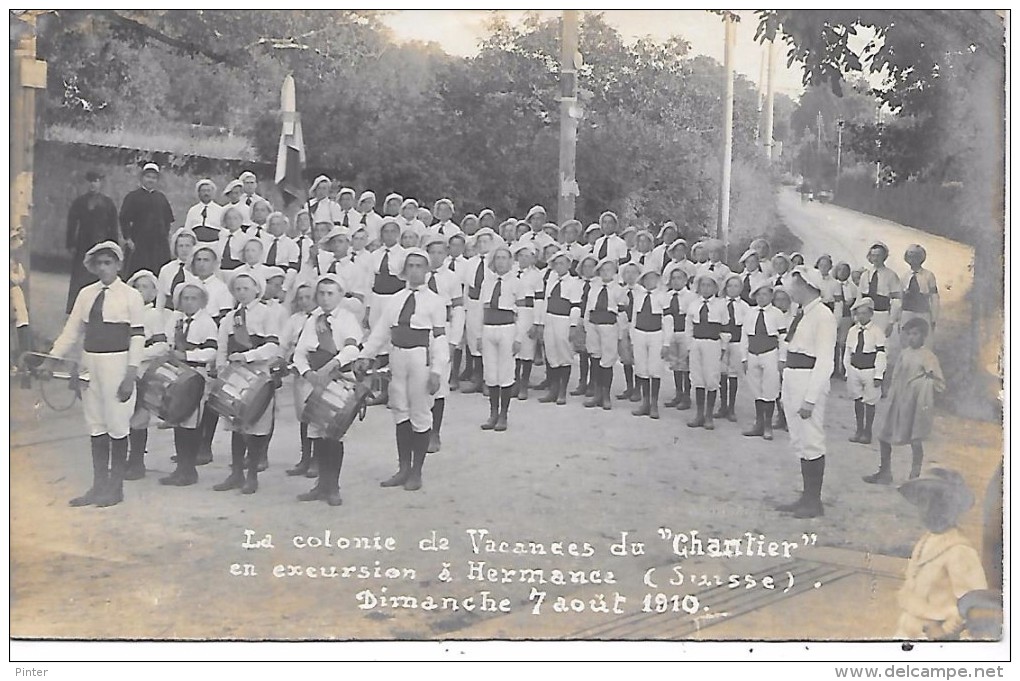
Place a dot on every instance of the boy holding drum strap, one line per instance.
(331, 338)
(249, 337)
(191, 335)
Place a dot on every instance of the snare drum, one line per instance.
(241, 395)
(331, 409)
(171, 390)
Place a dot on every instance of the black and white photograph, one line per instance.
(683, 330)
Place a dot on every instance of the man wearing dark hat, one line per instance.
(92, 218)
(145, 219)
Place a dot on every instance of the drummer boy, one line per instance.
(154, 323)
(108, 317)
(191, 335)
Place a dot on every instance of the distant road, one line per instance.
(846, 234)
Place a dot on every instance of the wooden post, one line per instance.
(723, 232)
(569, 114)
(770, 100)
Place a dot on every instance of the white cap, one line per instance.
(231, 186)
(766, 283)
(150, 167)
(366, 195)
(409, 202)
(319, 180)
(448, 202)
(747, 254)
(247, 175)
(345, 190)
(391, 197)
(205, 181)
(260, 283)
(104, 246)
(535, 210)
(410, 252)
(811, 277)
(592, 227)
(179, 290)
(864, 301)
(142, 274)
(486, 211)
(335, 231)
(274, 271)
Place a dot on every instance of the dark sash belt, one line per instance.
(105, 337)
(863, 360)
(494, 317)
(602, 317)
(798, 360)
(405, 337)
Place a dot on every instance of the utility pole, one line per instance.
(760, 99)
(727, 126)
(569, 115)
(770, 100)
(28, 74)
(839, 150)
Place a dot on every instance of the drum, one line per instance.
(334, 407)
(171, 390)
(241, 395)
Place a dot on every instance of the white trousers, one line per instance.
(104, 413)
(706, 363)
(606, 339)
(473, 314)
(559, 351)
(409, 390)
(529, 345)
(498, 354)
(731, 364)
(860, 385)
(648, 362)
(377, 306)
(763, 375)
(806, 435)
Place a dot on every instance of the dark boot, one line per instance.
(869, 421)
(187, 454)
(419, 445)
(653, 398)
(113, 493)
(780, 416)
(505, 393)
(812, 506)
(561, 394)
(731, 410)
(438, 408)
(769, 407)
(583, 365)
(306, 454)
(685, 397)
(699, 418)
(258, 444)
(493, 408)
(595, 385)
(859, 417)
(404, 433)
(723, 403)
(313, 466)
(628, 377)
(607, 388)
(553, 393)
(454, 366)
(643, 387)
(593, 374)
(839, 370)
(709, 404)
(180, 444)
(465, 374)
(238, 447)
(335, 457)
(917, 458)
(100, 471)
(522, 385)
(791, 508)
(26, 341)
(319, 447)
(544, 384)
(677, 383)
(758, 429)
(207, 426)
(479, 376)
(138, 438)
(883, 476)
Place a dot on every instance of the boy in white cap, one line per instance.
(557, 315)
(108, 319)
(355, 276)
(329, 341)
(865, 360)
(145, 283)
(679, 297)
(714, 266)
(920, 290)
(448, 285)
(536, 235)
(391, 205)
(666, 235)
(280, 250)
(386, 264)
(760, 338)
(609, 244)
(752, 277)
(408, 219)
(532, 293)
(191, 336)
(204, 217)
(233, 237)
(249, 187)
(349, 216)
(503, 333)
(304, 306)
(321, 208)
(706, 317)
(604, 304)
(650, 334)
(474, 276)
(414, 326)
(676, 258)
(370, 219)
(248, 336)
(175, 272)
(456, 263)
(642, 254)
(883, 286)
(732, 366)
(445, 226)
(234, 193)
(469, 225)
(587, 363)
(629, 273)
(425, 217)
(809, 348)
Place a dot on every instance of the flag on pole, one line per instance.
(290, 156)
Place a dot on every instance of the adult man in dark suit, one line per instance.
(92, 218)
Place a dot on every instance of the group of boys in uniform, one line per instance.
(471, 307)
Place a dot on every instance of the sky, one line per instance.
(458, 32)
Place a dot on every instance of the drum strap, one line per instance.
(324, 331)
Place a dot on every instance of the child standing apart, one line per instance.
(865, 362)
(908, 409)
